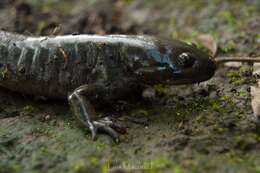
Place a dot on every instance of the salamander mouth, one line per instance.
(202, 73)
(191, 80)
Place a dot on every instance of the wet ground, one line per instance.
(200, 128)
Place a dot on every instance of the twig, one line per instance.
(237, 59)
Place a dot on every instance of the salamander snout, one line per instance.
(176, 63)
(192, 66)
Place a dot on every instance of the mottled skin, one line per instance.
(85, 68)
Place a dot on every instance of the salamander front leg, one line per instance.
(84, 111)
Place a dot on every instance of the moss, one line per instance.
(4, 73)
(150, 166)
(79, 166)
(46, 6)
(244, 93)
(236, 78)
(13, 167)
(153, 165)
(28, 109)
(258, 37)
(161, 89)
(229, 18)
(128, 1)
(101, 146)
(229, 47)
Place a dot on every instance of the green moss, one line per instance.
(4, 73)
(161, 89)
(79, 166)
(45, 6)
(244, 93)
(258, 36)
(236, 77)
(229, 47)
(140, 113)
(93, 161)
(100, 146)
(150, 166)
(229, 17)
(156, 164)
(10, 167)
(128, 1)
(106, 167)
(28, 109)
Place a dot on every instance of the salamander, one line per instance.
(85, 68)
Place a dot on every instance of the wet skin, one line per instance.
(87, 68)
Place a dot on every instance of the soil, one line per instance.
(207, 127)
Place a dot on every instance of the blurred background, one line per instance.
(233, 23)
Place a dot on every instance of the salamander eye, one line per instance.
(185, 60)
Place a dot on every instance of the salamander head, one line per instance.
(177, 63)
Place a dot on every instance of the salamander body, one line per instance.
(84, 67)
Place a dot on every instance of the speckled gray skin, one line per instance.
(86, 67)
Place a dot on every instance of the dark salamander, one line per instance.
(84, 68)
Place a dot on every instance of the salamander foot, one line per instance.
(107, 126)
(84, 111)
